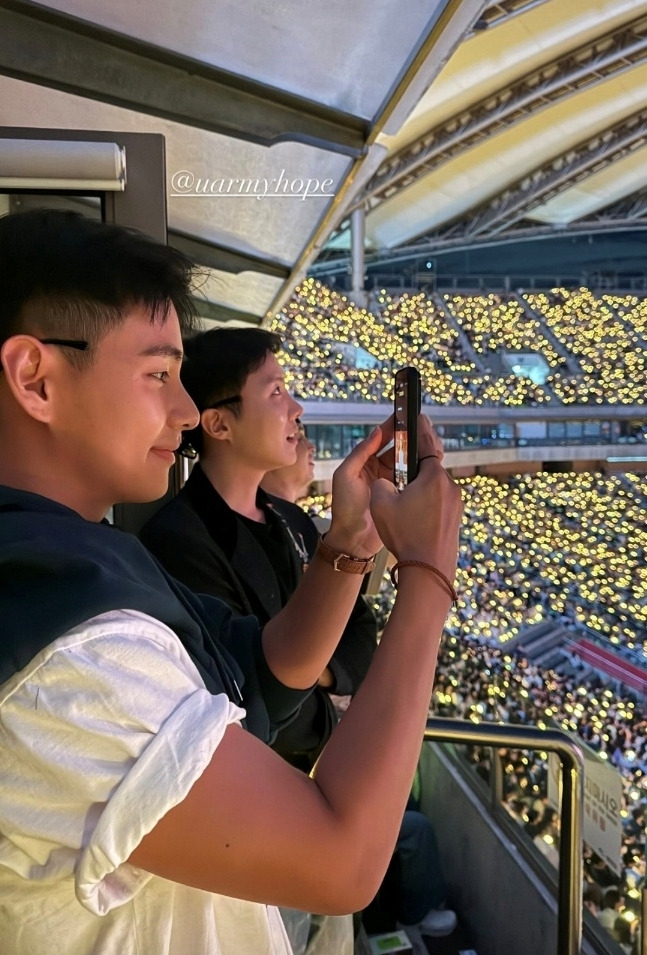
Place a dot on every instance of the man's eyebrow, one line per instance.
(163, 351)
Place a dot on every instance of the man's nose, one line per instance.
(296, 410)
(185, 411)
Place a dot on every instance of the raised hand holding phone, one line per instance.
(421, 522)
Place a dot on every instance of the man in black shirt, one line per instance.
(224, 535)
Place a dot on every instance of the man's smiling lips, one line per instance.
(168, 454)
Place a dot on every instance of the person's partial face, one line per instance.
(121, 419)
(302, 472)
(306, 456)
(265, 433)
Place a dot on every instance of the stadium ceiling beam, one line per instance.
(435, 245)
(608, 55)
(551, 179)
(630, 209)
(42, 46)
(222, 314)
(219, 257)
(497, 13)
(445, 30)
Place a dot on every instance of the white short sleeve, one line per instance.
(103, 732)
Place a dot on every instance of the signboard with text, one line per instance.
(602, 824)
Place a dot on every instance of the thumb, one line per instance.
(382, 490)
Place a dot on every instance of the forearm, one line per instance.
(278, 836)
(299, 642)
(350, 662)
(366, 770)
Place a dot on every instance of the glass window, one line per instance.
(592, 429)
(557, 430)
(335, 440)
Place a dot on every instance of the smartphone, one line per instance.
(407, 408)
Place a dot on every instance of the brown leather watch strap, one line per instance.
(345, 563)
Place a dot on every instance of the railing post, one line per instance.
(496, 779)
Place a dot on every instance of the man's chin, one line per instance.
(147, 495)
(289, 459)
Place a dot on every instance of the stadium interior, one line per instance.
(484, 220)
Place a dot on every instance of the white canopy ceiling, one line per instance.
(260, 92)
(438, 117)
(562, 85)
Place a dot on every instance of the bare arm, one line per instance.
(319, 608)
(255, 828)
(299, 642)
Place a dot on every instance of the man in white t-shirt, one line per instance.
(138, 812)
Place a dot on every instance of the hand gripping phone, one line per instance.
(407, 408)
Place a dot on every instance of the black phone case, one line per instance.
(412, 381)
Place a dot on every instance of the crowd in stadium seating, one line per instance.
(571, 547)
(567, 544)
(482, 682)
(593, 347)
(496, 322)
(317, 323)
(549, 546)
(606, 337)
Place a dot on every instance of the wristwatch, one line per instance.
(345, 562)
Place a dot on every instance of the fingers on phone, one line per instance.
(425, 426)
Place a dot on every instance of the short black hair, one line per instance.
(610, 897)
(65, 275)
(217, 363)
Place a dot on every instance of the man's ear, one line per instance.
(216, 423)
(26, 367)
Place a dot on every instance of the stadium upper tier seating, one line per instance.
(593, 348)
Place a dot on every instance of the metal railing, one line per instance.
(569, 888)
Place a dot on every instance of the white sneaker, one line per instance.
(437, 923)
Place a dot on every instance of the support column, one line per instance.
(358, 233)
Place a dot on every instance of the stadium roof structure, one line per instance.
(453, 123)
(529, 145)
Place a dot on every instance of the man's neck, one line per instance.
(279, 488)
(236, 485)
(55, 484)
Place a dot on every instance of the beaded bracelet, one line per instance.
(434, 570)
